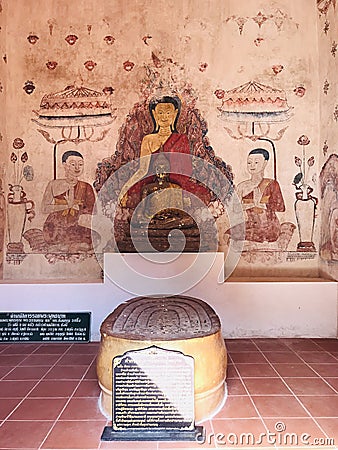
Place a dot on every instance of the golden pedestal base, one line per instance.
(208, 351)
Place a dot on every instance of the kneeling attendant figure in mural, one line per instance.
(65, 200)
(261, 198)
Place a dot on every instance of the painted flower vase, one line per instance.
(18, 210)
(305, 209)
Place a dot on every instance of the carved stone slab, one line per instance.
(162, 318)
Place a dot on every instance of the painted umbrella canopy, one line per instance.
(255, 102)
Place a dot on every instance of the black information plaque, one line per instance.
(153, 397)
(44, 327)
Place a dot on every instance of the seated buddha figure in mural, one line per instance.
(164, 139)
(261, 198)
(65, 201)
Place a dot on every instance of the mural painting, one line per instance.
(19, 207)
(65, 200)
(258, 109)
(254, 107)
(306, 203)
(109, 96)
(261, 198)
(324, 5)
(2, 227)
(165, 139)
(74, 115)
(329, 203)
(328, 178)
(278, 18)
(169, 136)
(71, 116)
(265, 238)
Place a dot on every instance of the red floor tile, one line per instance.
(15, 389)
(231, 371)
(227, 433)
(240, 345)
(323, 406)
(330, 345)
(304, 431)
(74, 377)
(66, 373)
(131, 445)
(237, 406)
(11, 360)
(247, 357)
(27, 373)
(23, 435)
(21, 349)
(269, 345)
(6, 406)
(88, 388)
(40, 360)
(52, 349)
(85, 349)
(271, 406)
(309, 386)
(235, 387)
(266, 386)
(91, 373)
(330, 427)
(82, 409)
(75, 360)
(3, 347)
(301, 344)
(54, 388)
(75, 435)
(283, 357)
(39, 409)
(294, 370)
(333, 382)
(326, 370)
(317, 357)
(256, 370)
(4, 370)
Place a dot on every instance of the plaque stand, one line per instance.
(153, 397)
(198, 434)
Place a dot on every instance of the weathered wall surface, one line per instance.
(327, 39)
(2, 144)
(72, 74)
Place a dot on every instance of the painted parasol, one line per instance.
(256, 104)
(74, 114)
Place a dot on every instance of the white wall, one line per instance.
(246, 309)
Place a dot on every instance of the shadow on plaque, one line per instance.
(153, 397)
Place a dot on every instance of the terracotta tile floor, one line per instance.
(285, 387)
